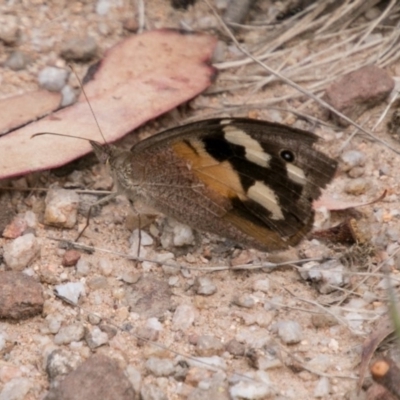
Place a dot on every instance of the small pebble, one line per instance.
(160, 366)
(208, 345)
(61, 208)
(255, 338)
(393, 233)
(235, 348)
(183, 235)
(94, 319)
(9, 29)
(320, 362)
(210, 390)
(173, 281)
(151, 391)
(79, 49)
(82, 267)
(139, 236)
(322, 389)
(96, 338)
(17, 227)
(290, 332)
(323, 320)
(97, 282)
(351, 159)
(69, 96)
(327, 275)
(149, 297)
(19, 253)
(130, 277)
(154, 323)
(134, 377)
(103, 6)
(53, 78)
(16, 389)
(70, 333)
(250, 390)
(105, 266)
(111, 331)
(181, 370)
(146, 334)
(204, 286)
(183, 318)
(71, 291)
(70, 258)
(208, 362)
(175, 234)
(9, 372)
(244, 300)
(261, 285)
(357, 186)
(60, 362)
(195, 375)
(53, 323)
(356, 172)
(172, 268)
(17, 61)
(131, 24)
(315, 249)
(31, 219)
(243, 258)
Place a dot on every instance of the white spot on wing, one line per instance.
(296, 174)
(254, 152)
(266, 197)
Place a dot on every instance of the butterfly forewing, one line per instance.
(248, 180)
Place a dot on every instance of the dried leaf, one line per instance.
(18, 110)
(139, 79)
(339, 205)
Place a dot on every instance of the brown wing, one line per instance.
(270, 173)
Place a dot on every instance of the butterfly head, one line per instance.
(117, 160)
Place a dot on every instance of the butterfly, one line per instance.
(247, 180)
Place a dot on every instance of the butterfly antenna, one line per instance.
(88, 102)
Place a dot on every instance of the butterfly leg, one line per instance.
(138, 218)
(97, 203)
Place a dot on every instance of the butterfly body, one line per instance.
(246, 180)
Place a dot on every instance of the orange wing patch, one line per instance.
(218, 176)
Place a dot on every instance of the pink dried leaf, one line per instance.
(19, 110)
(139, 79)
(338, 205)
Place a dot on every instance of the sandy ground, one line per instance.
(332, 352)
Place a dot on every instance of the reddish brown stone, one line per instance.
(99, 377)
(359, 90)
(21, 296)
(15, 229)
(71, 257)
